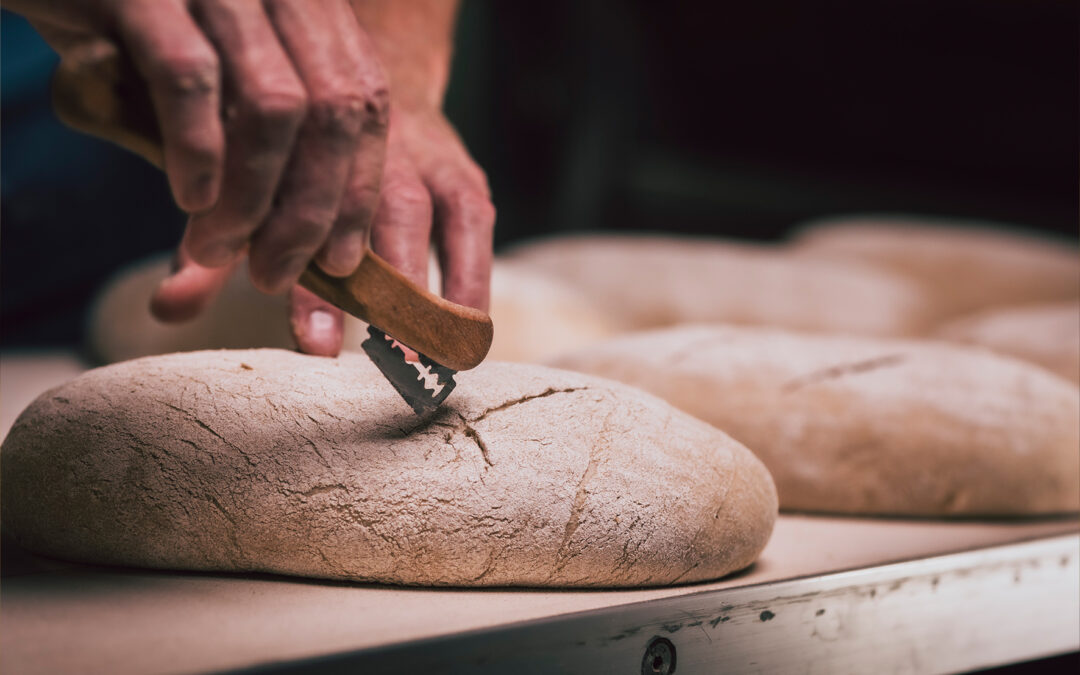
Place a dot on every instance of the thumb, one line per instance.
(317, 326)
(189, 290)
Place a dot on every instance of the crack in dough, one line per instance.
(843, 370)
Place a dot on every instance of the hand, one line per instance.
(431, 188)
(429, 184)
(290, 170)
(293, 167)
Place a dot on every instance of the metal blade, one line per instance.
(423, 385)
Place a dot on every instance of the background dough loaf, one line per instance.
(1046, 334)
(963, 265)
(651, 281)
(122, 328)
(535, 317)
(868, 426)
(266, 460)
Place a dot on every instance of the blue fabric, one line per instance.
(73, 209)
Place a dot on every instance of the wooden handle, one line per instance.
(97, 92)
(455, 336)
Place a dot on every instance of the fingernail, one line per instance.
(320, 325)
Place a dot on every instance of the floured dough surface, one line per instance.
(964, 265)
(267, 460)
(651, 281)
(1046, 334)
(869, 426)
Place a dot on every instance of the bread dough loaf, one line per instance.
(535, 317)
(1046, 334)
(271, 461)
(869, 426)
(122, 328)
(651, 281)
(963, 265)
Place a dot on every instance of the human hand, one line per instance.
(273, 117)
(430, 187)
(432, 190)
(303, 162)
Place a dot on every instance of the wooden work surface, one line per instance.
(60, 617)
(56, 618)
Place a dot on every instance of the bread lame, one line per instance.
(96, 92)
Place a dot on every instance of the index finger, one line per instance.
(182, 71)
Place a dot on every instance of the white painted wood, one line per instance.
(945, 614)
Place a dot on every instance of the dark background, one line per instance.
(728, 118)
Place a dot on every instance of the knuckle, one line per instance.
(189, 73)
(306, 228)
(377, 108)
(409, 195)
(359, 203)
(275, 108)
(338, 116)
(362, 195)
(475, 208)
(408, 204)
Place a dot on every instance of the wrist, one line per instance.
(414, 41)
(418, 85)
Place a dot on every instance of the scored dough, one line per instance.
(963, 265)
(651, 281)
(271, 461)
(535, 317)
(1047, 334)
(868, 426)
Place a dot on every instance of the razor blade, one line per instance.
(424, 384)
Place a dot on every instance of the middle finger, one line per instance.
(321, 46)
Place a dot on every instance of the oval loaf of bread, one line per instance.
(271, 461)
(963, 265)
(1047, 334)
(652, 281)
(869, 426)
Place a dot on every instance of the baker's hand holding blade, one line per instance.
(295, 130)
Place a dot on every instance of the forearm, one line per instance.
(414, 39)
